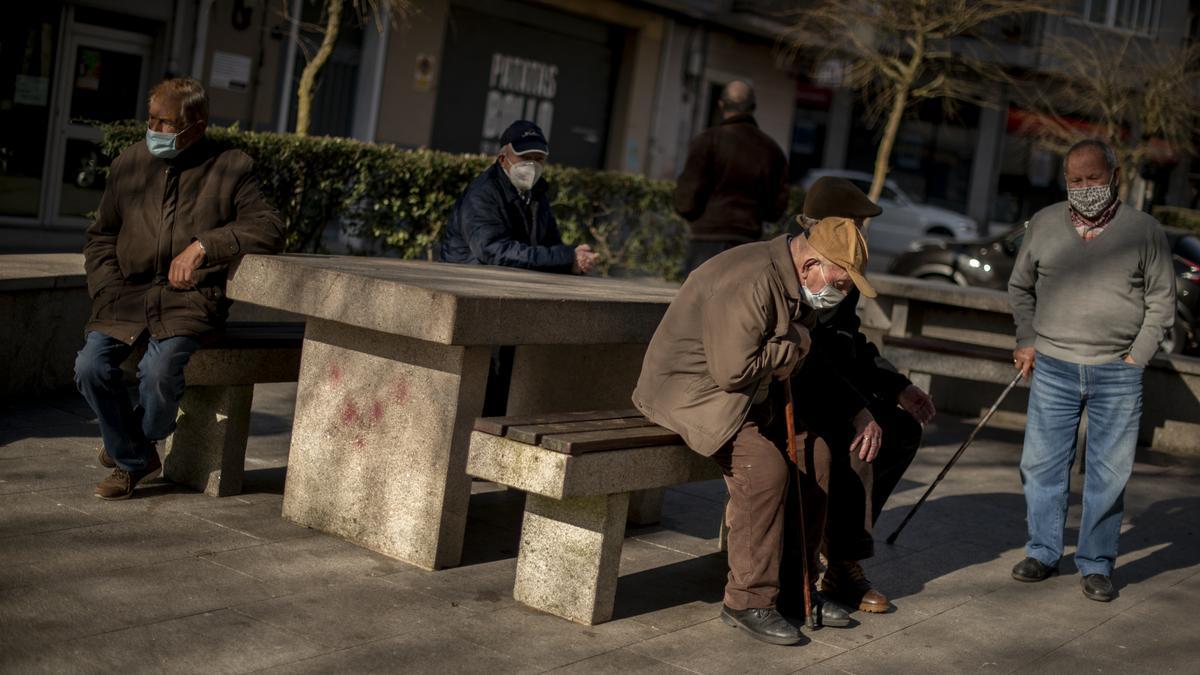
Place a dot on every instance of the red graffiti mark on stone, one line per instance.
(349, 413)
(335, 374)
(399, 392)
(360, 442)
(376, 412)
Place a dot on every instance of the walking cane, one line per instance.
(961, 449)
(790, 416)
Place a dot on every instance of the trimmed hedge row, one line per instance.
(1177, 216)
(401, 199)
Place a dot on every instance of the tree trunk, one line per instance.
(308, 78)
(888, 141)
(899, 102)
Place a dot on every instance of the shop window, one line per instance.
(1137, 16)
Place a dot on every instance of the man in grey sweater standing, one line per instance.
(1093, 294)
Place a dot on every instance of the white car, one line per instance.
(903, 221)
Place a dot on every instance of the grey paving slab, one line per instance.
(424, 651)
(483, 587)
(296, 565)
(713, 647)
(1126, 644)
(32, 513)
(619, 662)
(220, 641)
(81, 606)
(79, 552)
(355, 612)
(548, 641)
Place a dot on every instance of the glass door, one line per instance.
(104, 79)
(28, 46)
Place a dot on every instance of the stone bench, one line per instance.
(578, 470)
(921, 358)
(208, 449)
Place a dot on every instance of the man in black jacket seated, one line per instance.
(872, 428)
(503, 217)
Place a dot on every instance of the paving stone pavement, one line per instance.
(174, 581)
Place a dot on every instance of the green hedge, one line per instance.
(401, 199)
(1176, 216)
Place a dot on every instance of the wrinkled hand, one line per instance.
(868, 436)
(800, 338)
(1023, 358)
(917, 403)
(183, 268)
(585, 260)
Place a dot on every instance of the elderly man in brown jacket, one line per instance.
(176, 212)
(738, 324)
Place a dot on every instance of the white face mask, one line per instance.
(524, 175)
(1090, 201)
(827, 298)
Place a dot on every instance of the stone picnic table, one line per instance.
(393, 372)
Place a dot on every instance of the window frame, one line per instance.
(1150, 28)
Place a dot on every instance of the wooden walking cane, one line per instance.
(790, 417)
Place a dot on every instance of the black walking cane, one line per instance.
(961, 449)
(790, 415)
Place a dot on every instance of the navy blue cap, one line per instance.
(525, 136)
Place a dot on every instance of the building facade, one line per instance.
(617, 84)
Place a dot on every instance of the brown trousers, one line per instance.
(762, 492)
(843, 497)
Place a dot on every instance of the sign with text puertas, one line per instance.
(553, 69)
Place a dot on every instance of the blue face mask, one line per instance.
(161, 144)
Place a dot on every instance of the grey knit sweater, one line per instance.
(1092, 302)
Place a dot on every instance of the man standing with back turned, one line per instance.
(735, 179)
(1093, 294)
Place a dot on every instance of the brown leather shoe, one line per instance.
(120, 483)
(105, 461)
(845, 582)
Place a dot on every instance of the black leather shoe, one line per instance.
(765, 624)
(1032, 569)
(832, 614)
(1098, 587)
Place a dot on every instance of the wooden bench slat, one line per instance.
(496, 426)
(617, 439)
(533, 434)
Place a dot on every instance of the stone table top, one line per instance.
(454, 304)
(36, 271)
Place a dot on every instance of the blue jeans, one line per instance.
(1112, 394)
(129, 431)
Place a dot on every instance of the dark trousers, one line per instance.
(762, 486)
(128, 431)
(858, 490)
(699, 252)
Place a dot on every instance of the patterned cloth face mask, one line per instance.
(1090, 201)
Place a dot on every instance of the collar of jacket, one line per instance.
(740, 118)
(781, 258)
(509, 190)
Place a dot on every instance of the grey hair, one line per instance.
(738, 97)
(1110, 157)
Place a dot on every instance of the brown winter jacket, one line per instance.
(151, 210)
(734, 321)
(735, 179)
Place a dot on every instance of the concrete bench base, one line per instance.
(207, 452)
(575, 515)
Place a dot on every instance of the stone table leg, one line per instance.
(570, 555)
(208, 449)
(379, 442)
(569, 378)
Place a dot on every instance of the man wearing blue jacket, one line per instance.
(503, 217)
